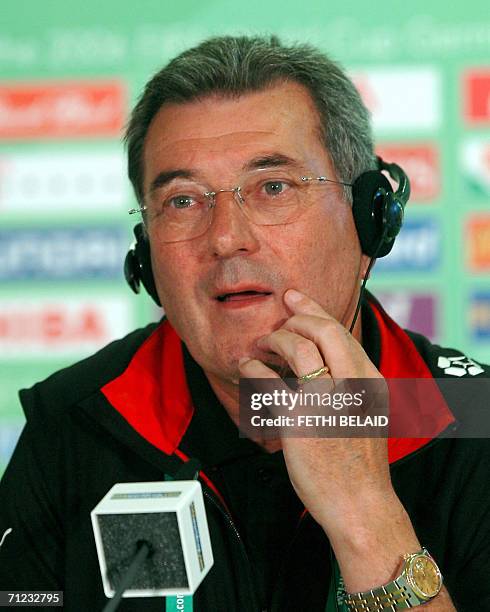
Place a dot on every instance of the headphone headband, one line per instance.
(402, 194)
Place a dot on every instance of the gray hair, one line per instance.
(232, 66)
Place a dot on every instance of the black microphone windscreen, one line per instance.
(165, 568)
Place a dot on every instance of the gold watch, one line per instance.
(419, 582)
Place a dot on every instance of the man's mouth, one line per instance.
(236, 296)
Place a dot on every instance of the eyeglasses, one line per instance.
(182, 210)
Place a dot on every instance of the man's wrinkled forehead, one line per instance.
(175, 144)
(225, 131)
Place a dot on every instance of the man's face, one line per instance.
(224, 289)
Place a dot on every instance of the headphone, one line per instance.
(378, 215)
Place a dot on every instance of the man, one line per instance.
(253, 280)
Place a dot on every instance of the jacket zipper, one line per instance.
(229, 521)
(219, 504)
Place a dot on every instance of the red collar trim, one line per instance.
(152, 393)
(400, 359)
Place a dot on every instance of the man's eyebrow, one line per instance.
(262, 161)
(163, 178)
(270, 161)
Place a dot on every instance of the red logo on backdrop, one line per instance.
(61, 109)
(421, 164)
(478, 243)
(52, 326)
(477, 96)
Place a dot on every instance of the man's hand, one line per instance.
(329, 475)
(343, 482)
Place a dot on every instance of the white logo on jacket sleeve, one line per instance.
(459, 366)
(9, 530)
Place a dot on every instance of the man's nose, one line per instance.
(230, 231)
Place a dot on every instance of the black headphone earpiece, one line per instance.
(378, 215)
(137, 264)
(378, 211)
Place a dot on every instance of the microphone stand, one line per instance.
(144, 551)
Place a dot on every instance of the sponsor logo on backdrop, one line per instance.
(475, 162)
(476, 94)
(54, 182)
(401, 98)
(62, 254)
(478, 243)
(61, 109)
(64, 327)
(479, 316)
(421, 163)
(417, 248)
(414, 311)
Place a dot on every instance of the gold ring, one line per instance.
(315, 374)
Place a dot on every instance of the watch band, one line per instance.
(389, 597)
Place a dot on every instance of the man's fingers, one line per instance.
(301, 353)
(336, 346)
(253, 368)
(300, 303)
(339, 349)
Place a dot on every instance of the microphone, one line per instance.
(152, 539)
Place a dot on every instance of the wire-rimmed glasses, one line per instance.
(182, 210)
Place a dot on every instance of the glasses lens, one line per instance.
(273, 197)
(177, 212)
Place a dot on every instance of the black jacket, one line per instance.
(75, 446)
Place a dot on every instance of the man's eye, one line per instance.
(181, 201)
(274, 187)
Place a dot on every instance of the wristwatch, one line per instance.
(419, 582)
